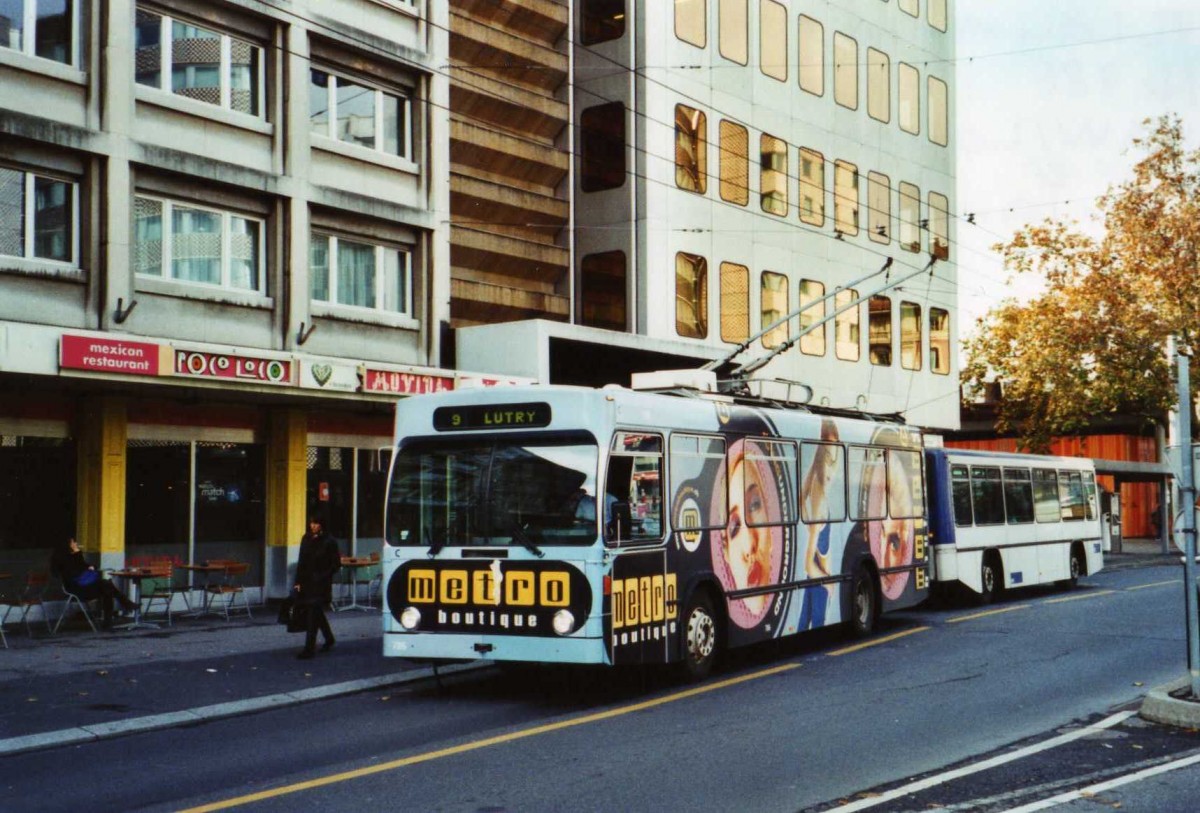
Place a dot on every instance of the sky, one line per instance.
(1050, 95)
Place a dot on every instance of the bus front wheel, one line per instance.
(989, 579)
(700, 641)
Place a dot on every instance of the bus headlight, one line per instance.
(410, 618)
(563, 622)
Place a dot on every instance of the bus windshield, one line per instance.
(496, 492)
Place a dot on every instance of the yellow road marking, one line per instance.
(986, 613)
(1152, 584)
(876, 641)
(485, 743)
(1080, 597)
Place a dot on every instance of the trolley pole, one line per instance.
(1187, 507)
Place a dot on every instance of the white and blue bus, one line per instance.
(1000, 520)
(611, 526)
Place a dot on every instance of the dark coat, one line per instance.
(319, 560)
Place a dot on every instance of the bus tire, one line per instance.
(990, 578)
(864, 606)
(1078, 569)
(701, 637)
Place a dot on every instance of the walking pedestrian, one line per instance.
(319, 560)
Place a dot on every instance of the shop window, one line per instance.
(372, 491)
(774, 177)
(691, 295)
(735, 302)
(879, 331)
(846, 326)
(193, 244)
(691, 21)
(909, 92)
(329, 492)
(691, 147)
(812, 187)
(910, 217)
(937, 14)
(811, 37)
(774, 306)
(733, 30)
(601, 21)
(939, 341)
(939, 111)
(354, 112)
(41, 28)
(39, 217)
(812, 301)
(37, 500)
(230, 504)
(845, 70)
(845, 197)
(602, 281)
(198, 63)
(910, 335)
(772, 38)
(939, 226)
(158, 475)
(360, 275)
(602, 147)
(879, 207)
(879, 81)
(735, 163)
(910, 7)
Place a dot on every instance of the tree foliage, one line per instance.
(1092, 345)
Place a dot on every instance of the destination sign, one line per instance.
(491, 416)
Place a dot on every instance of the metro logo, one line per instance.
(644, 600)
(519, 588)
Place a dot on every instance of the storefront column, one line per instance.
(100, 481)
(287, 467)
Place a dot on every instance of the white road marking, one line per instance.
(1100, 787)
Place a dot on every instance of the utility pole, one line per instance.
(1182, 418)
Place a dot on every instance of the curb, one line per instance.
(155, 722)
(1160, 707)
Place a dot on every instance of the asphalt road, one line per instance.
(788, 728)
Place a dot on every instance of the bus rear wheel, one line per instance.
(989, 579)
(1077, 569)
(700, 638)
(862, 604)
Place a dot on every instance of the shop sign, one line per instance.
(328, 375)
(394, 382)
(101, 355)
(203, 364)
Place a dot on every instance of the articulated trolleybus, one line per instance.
(611, 526)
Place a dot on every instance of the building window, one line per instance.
(846, 326)
(735, 302)
(845, 197)
(41, 28)
(772, 39)
(879, 207)
(910, 7)
(937, 14)
(812, 295)
(38, 217)
(939, 341)
(360, 275)
(691, 21)
(845, 70)
(601, 21)
(939, 112)
(602, 290)
(879, 330)
(691, 295)
(774, 178)
(909, 111)
(188, 243)
(354, 113)
(879, 82)
(812, 187)
(774, 306)
(691, 147)
(198, 63)
(733, 30)
(735, 163)
(602, 147)
(910, 335)
(910, 217)
(811, 36)
(939, 226)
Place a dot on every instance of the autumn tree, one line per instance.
(1092, 345)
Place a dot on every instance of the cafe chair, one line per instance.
(33, 594)
(374, 579)
(160, 587)
(228, 588)
(78, 603)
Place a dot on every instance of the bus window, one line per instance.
(868, 483)
(987, 497)
(960, 486)
(1045, 495)
(697, 468)
(906, 497)
(1070, 494)
(1089, 487)
(823, 498)
(633, 488)
(778, 459)
(1018, 496)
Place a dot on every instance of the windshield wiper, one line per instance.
(526, 541)
(434, 547)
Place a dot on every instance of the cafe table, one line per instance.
(204, 570)
(134, 576)
(353, 564)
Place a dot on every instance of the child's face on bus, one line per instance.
(747, 542)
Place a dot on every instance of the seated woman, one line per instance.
(81, 579)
